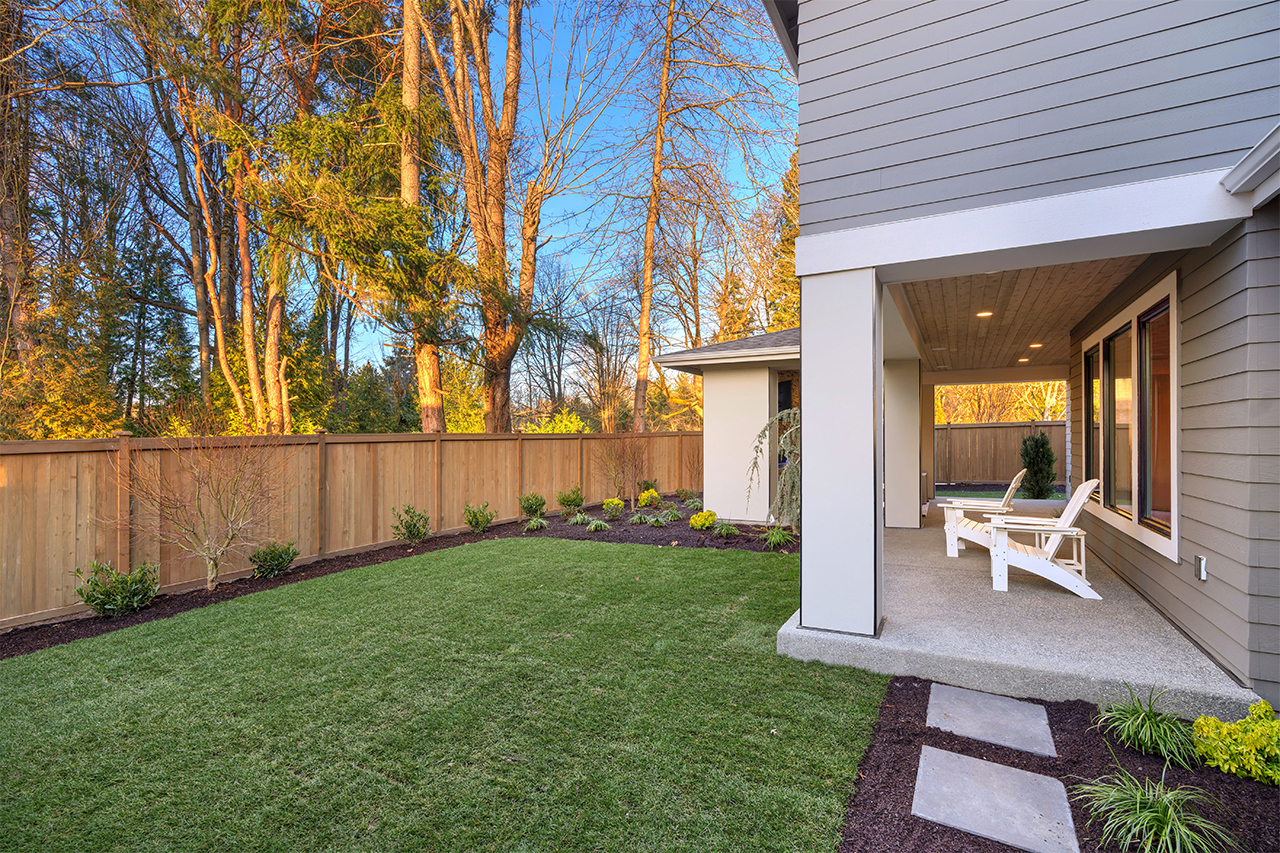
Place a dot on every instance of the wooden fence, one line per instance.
(991, 453)
(63, 503)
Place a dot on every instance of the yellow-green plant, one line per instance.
(650, 497)
(613, 508)
(702, 520)
(1249, 748)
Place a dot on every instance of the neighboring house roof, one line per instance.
(771, 346)
(784, 14)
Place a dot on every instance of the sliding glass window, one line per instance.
(1155, 461)
(1093, 415)
(1117, 353)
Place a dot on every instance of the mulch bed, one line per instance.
(20, 641)
(878, 819)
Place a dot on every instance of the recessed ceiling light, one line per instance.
(1024, 359)
(1036, 346)
(984, 313)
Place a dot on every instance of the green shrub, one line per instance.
(273, 560)
(1150, 816)
(725, 530)
(1039, 460)
(411, 525)
(639, 518)
(578, 518)
(694, 504)
(686, 494)
(535, 524)
(597, 525)
(613, 508)
(703, 520)
(570, 501)
(657, 521)
(647, 486)
(667, 506)
(650, 498)
(479, 517)
(533, 505)
(1249, 748)
(1137, 724)
(670, 516)
(776, 538)
(111, 593)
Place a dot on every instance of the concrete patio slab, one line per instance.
(944, 622)
(1024, 810)
(990, 718)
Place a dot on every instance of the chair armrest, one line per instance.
(1004, 524)
(991, 507)
(971, 501)
(1031, 519)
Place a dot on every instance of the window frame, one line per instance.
(1164, 543)
(1142, 504)
(1109, 417)
(1092, 357)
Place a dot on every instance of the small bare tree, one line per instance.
(208, 496)
(623, 459)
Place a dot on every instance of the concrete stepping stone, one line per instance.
(1024, 810)
(993, 719)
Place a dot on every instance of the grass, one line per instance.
(1137, 724)
(512, 695)
(1147, 815)
(1059, 494)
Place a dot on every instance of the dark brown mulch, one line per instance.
(20, 641)
(878, 819)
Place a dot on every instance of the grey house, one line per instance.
(1044, 189)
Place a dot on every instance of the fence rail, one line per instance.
(64, 503)
(991, 453)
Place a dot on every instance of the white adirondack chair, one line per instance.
(958, 527)
(1042, 558)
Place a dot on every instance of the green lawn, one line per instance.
(513, 695)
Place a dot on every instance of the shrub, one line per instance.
(534, 524)
(694, 504)
(111, 593)
(1249, 748)
(657, 521)
(776, 537)
(479, 517)
(533, 505)
(1039, 460)
(597, 525)
(411, 525)
(1148, 815)
(703, 520)
(638, 518)
(649, 497)
(613, 508)
(273, 560)
(670, 516)
(570, 501)
(686, 494)
(1137, 724)
(724, 530)
(647, 486)
(578, 518)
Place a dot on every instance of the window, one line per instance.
(1117, 354)
(1130, 420)
(1092, 416)
(1155, 461)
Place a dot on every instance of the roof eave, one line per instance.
(1255, 168)
(695, 363)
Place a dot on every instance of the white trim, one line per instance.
(1132, 219)
(1262, 161)
(784, 38)
(987, 376)
(731, 358)
(1167, 547)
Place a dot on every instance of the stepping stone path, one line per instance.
(1024, 810)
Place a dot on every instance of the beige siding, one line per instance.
(1229, 310)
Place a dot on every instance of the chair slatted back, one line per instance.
(1013, 489)
(1069, 515)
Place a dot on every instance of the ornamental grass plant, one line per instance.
(1137, 724)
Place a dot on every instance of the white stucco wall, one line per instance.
(737, 402)
(902, 442)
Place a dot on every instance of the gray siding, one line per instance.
(1229, 421)
(909, 109)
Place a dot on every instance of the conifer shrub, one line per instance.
(1039, 460)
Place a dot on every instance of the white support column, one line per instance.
(738, 402)
(840, 342)
(902, 442)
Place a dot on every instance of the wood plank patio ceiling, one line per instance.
(1034, 305)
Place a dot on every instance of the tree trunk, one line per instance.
(426, 357)
(275, 322)
(246, 298)
(15, 249)
(639, 417)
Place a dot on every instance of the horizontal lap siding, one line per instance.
(912, 109)
(1229, 421)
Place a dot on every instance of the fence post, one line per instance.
(519, 469)
(679, 459)
(124, 499)
(949, 466)
(322, 493)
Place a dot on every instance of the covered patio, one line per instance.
(944, 622)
